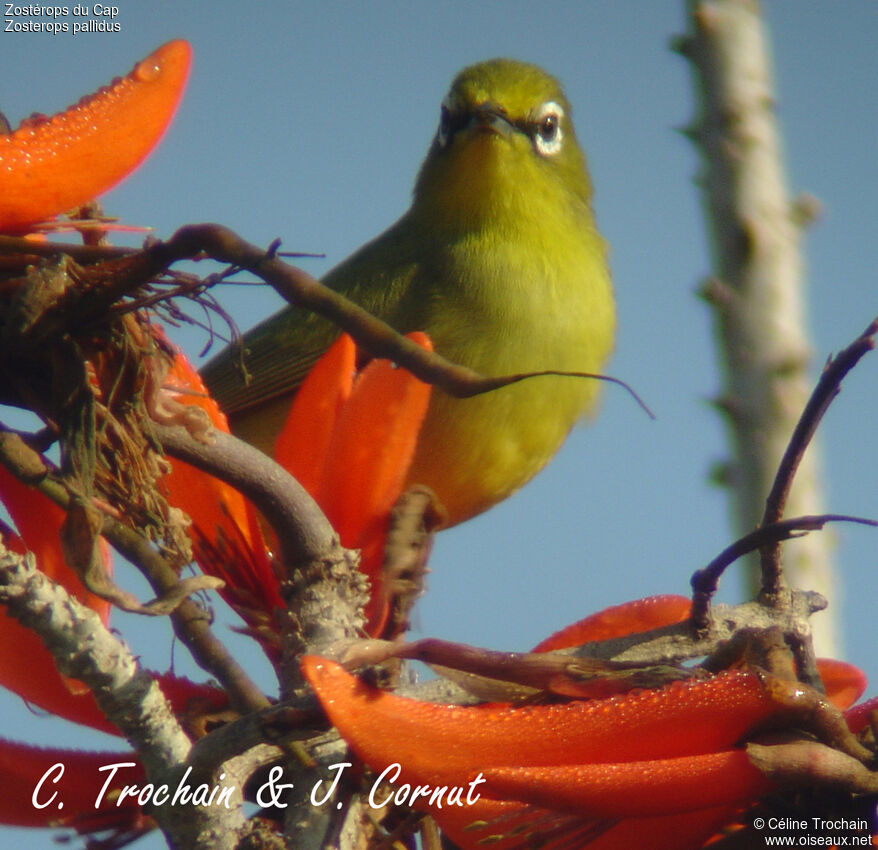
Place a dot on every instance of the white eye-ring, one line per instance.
(546, 128)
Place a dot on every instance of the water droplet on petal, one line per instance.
(147, 70)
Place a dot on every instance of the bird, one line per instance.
(499, 260)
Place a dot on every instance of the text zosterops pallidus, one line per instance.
(499, 261)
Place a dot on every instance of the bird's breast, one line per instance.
(506, 307)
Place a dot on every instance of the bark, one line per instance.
(756, 291)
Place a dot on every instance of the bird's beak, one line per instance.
(490, 118)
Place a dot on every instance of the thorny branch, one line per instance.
(756, 290)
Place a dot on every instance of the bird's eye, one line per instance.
(547, 129)
(444, 132)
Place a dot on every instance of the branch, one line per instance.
(756, 289)
(304, 533)
(85, 649)
(773, 530)
(303, 291)
(18, 246)
(324, 591)
(598, 667)
(191, 622)
(828, 387)
(706, 581)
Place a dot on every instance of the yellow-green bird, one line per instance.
(499, 260)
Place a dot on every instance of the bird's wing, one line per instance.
(271, 361)
(279, 352)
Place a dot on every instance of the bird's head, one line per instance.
(505, 135)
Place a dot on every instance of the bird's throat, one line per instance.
(484, 180)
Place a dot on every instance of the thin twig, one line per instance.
(706, 581)
(18, 245)
(129, 270)
(828, 387)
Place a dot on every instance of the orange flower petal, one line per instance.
(219, 513)
(51, 165)
(190, 698)
(686, 831)
(39, 521)
(498, 817)
(449, 743)
(633, 789)
(184, 383)
(860, 715)
(303, 445)
(28, 670)
(441, 745)
(844, 683)
(78, 787)
(372, 447)
(210, 503)
(349, 442)
(26, 666)
(627, 619)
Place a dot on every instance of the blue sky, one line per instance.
(308, 120)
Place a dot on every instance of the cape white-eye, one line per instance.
(499, 261)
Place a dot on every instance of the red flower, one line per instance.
(368, 425)
(349, 440)
(656, 769)
(51, 165)
(27, 669)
